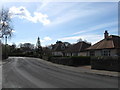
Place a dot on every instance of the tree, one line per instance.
(5, 23)
(27, 47)
(5, 26)
(39, 48)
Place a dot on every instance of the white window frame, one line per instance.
(105, 53)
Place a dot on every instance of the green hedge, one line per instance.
(81, 60)
(71, 61)
(105, 63)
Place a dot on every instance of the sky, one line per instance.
(64, 21)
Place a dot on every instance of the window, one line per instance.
(105, 53)
(92, 53)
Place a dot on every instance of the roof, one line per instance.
(59, 46)
(110, 42)
(46, 49)
(78, 47)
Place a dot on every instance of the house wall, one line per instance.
(71, 54)
(113, 52)
(118, 52)
(98, 53)
(82, 54)
(67, 54)
(57, 53)
(74, 54)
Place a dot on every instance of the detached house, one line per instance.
(77, 49)
(109, 46)
(59, 47)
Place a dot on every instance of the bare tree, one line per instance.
(5, 27)
(5, 23)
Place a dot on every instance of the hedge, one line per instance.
(71, 61)
(105, 63)
(25, 55)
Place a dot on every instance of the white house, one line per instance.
(109, 46)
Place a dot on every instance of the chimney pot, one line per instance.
(106, 34)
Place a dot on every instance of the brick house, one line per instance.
(109, 46)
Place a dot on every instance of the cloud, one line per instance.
(61, 0)
(70, 15)
(45, 39)
(100, 26)
(93, 38)
(13, 31)
(1, 4)
(72, 11)
(22, 13)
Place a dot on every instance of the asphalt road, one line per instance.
(22, 72)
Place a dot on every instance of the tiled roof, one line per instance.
(111, 42)
(78, 47)
(58, 47)
(46, 49)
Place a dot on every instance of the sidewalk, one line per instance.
(88, 70)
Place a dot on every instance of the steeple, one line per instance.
(106, 34)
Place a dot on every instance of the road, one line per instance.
(23, 72)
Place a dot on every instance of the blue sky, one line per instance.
(65, 21)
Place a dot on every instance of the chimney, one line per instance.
(106, 34)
